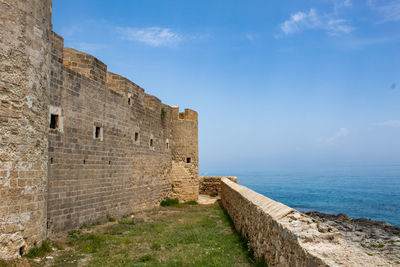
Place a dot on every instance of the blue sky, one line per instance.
(304, 84)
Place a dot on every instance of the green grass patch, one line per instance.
(190, 235)
(95, 224)
(69, 259)
(126, 221)
(89, 243)
(83, 226)
(74, 233)
(111, 219)
(117, 229)
(145, 258)
(169, 202)
(191, 202)
(213, 195)
(155, 246)
(58, 245)
(40, 252)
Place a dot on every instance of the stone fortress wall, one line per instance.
(114, 149)
(79, 143)
(25, 30)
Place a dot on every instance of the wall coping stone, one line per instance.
(306, 241)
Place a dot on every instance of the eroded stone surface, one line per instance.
(374, 237)
(286, 237)
(207, 200)
(25, 29)
(211, 185)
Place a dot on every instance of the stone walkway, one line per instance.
(207, 200)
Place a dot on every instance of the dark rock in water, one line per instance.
(374, 237)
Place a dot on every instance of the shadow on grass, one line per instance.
(256, 261)
(174, 202)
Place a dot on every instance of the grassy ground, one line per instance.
(186, 235)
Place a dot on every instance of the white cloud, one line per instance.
(338, 26)
(341, 133)
(338, 4)
(251, 36)
(153, 36)
(390, 123)
(347, 3)
(299, 21)
(356, 42)
(388, 9)
(311, 20)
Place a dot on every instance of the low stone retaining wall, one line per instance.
(209, 185)
(286, 237)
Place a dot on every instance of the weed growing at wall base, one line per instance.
(39, 252)
(174, 202)
(169, 202)
(191, 202)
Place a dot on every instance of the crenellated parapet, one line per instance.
(94, 69)
(189, 115)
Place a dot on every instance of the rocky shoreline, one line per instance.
(374, 237)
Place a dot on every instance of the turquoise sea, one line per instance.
(369, 192)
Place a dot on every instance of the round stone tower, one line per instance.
(25, 29)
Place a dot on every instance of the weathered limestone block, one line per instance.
(9, 243)
(209, 185)
(25, 30)
(185, 186)
(85, 64)
(286, 237)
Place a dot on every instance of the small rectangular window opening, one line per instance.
(188, 160)
(136, 136)
(97, 132)
(53, 121)
(151, 142)
(167, 145)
